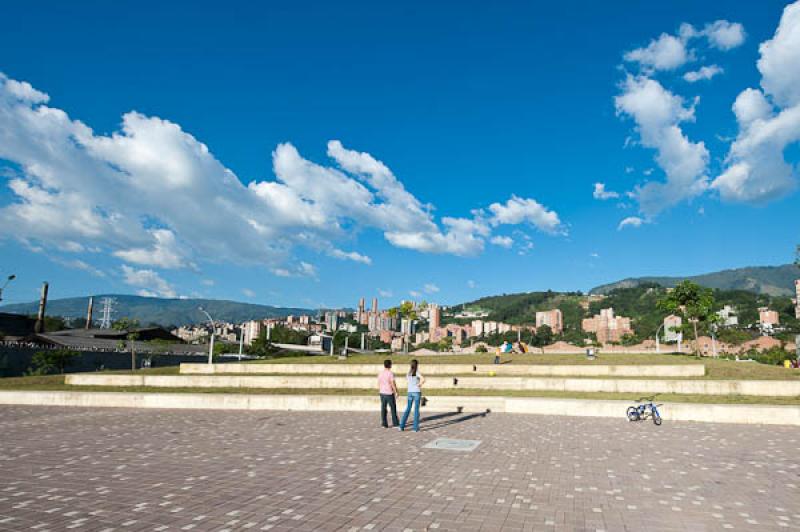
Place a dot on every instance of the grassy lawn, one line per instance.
(488, 358)
(715, 368)
(56, 383)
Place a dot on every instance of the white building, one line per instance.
(728, 316)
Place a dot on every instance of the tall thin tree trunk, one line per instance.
(696, 340)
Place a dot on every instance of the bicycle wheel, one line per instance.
(633, 413)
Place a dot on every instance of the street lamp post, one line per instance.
(8, 280)
(211, 343)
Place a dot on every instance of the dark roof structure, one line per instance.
(16, 324)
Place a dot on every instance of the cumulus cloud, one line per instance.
(630, 221)
(502, 241)
(149, 282)
(657, 114)
(385, 293)
(525, 210)
(601, 193)
(703, 73)
(724, 35)
(667, 52)
(153, 195)
(471, 284)
(248, 293)
(769, 121)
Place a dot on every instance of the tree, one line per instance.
(692, 302)
(46, 362)
(129, 326)
(543, 336)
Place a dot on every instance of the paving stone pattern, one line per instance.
(135, 470)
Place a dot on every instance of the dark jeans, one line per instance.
(388, 400)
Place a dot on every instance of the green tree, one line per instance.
(46, 362)
(129, 326)
(692, 302)
(543, 336)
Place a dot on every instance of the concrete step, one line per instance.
(714, 413)
(609, 385)
(542, 370)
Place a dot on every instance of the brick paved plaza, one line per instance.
(130, 470)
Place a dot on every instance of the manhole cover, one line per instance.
(453, 445)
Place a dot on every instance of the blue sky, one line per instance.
(499, 118)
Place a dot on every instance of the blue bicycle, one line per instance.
(645, 409)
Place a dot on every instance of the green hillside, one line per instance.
(157, 310)
(636, 302)
(770, 280)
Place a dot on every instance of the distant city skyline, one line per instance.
(309, 156)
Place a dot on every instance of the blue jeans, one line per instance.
(413, 398)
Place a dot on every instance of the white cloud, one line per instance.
(151, 284)
(248, 293)
(525, 210)
(77, 264)
(414, 293)
(153, 195)
(630, 221)
(471, 284)
(703, 73)
(502, 241)
(657, 113)
(669, 52)
(385, 293)
(724, 35)
(769, 121)
(164, 252)
(350, 255)
(601, 193)
(207, 282)
(594, 255)
(665, 53)
(430, 288)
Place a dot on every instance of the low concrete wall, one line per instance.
(639, 386)
(587, 370)
(711, 413)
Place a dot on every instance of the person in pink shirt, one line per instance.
(388, 390)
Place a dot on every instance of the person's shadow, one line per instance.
(447, 422)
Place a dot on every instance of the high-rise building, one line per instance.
(375, 304)
(331, 321)
(767, 318)
(251, 330)
(435, 316)
(552, 318)
(609, 328)
(797, 299)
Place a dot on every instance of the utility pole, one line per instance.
(241, 341)
(38, 327)
(211, 343)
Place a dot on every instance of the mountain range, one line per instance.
(157, 310)
(769, 280)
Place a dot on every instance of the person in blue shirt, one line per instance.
(415, 382)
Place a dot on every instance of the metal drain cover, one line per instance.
(448, 444)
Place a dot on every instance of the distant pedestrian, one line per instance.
(387, 387)
(415, 382)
